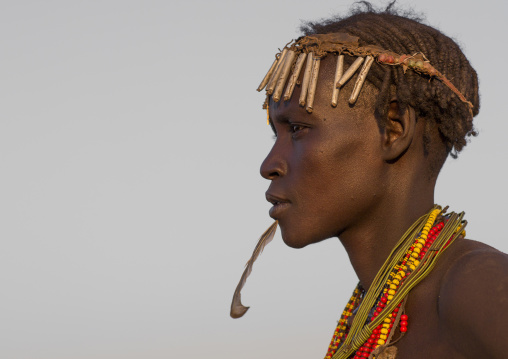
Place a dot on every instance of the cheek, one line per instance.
(336, 183)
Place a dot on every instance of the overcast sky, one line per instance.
(130, 196)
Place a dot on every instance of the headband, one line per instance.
(311, 49)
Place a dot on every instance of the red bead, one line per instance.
(365, 355)
(368, 345)
(375, 332)
(370, 341)
(403, 329)
(379, 309)
(403, 323)
(382, 58)
(396, 310)
(403, 317)
(376, 314)
(384, 299)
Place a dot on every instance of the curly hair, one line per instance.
(432, 101)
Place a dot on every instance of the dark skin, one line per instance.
(338, 173)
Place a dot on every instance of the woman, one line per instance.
(365, 110)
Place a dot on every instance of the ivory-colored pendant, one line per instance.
(294, 76)
(284, 74)
(275, 76)
(313, 84)
(361, 79)
(268, 75)
(338, 74)
(350, 72)
(306, 79)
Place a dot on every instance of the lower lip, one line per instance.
(278, 209)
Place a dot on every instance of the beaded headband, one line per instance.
(314, 47)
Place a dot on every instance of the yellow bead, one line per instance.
(384, 331)
(421, 241)
(380, 341)
(416, 250)
(401, 274)
(393, 286)
(412, 267)
(404, 268)
(387, 320)
(416, 262)
(396, 282)
(418, 245)
(414, 255)
(386, 325)
(390, 297)
(398, 277)
(391, 292)
(382, 336)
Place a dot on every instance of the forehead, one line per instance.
(322, 106)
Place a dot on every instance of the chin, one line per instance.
(297, 240)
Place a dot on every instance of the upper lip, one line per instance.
(275, 199)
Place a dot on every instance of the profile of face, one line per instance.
(325, 169)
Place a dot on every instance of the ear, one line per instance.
(398, 132)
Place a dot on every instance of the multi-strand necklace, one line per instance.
(372, 318)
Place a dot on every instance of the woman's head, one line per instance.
(337, 163)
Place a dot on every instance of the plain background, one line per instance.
(130, 197)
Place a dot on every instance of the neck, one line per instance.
(369, 243)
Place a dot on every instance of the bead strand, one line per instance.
(397, 276)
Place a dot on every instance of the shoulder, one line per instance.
(473, 299)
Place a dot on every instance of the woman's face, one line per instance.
(325, 168)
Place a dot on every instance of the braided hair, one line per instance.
(431, 100)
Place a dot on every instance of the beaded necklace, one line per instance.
(379, 311)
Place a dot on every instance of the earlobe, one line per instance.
(398, 132)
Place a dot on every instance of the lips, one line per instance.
(279, 205)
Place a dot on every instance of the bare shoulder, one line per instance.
(473, 299)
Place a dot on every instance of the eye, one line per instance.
(295, 128)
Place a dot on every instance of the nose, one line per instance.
(274, 165)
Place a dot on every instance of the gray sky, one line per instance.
(130, 197)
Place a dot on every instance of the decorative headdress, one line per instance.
(314, 47)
